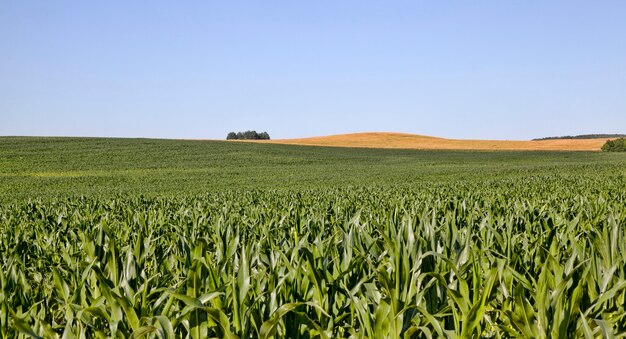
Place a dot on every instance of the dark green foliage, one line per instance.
(248, 135)
(617, 145)
(585, 136)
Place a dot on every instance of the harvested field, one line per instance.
(413, 141)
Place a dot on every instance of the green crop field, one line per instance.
(170, 238)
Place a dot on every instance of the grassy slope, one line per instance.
(33, 167)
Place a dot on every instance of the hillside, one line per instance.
(192, 231)
(413, 141)
(33, 167)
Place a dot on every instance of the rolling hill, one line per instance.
(413, 141)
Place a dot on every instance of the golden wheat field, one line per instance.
(413, 141)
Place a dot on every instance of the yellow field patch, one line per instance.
(413, 141)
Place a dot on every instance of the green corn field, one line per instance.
(529, 255)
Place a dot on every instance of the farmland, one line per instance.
(413, 141)
(171, 238)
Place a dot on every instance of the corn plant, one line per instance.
(458, 260)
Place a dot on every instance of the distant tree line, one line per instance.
(617, 145)
(585, 136)
(248, 135)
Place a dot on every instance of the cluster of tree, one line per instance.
(248, 135)
(586, 136)
(617, 145)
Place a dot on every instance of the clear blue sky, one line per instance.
(198, 69)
